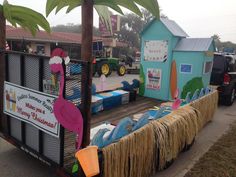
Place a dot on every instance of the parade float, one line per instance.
(136, 139)
(176, 70)
(45, 115)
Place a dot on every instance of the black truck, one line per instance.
(224, 77)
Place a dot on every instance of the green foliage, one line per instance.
(151, 5)
(59, 4)
(220, 45)
(25, 17)
(110, 4)
(132, 25)
(104, 15)
(75, 168)
(142, 81)
(192, 86)
(1, 8)
(101, 7)
(73, 28)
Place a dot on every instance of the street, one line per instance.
(14, 162)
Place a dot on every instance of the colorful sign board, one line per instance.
(33, 107)
(153, 79)
(156, 50)
(115, 23)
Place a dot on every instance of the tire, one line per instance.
(121, 70)
(168, 164)
(229, 99)
(103, 68)
(188, 146)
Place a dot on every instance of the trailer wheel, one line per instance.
(229, 99)
(104, 68)
(188, 146)
(121, 70)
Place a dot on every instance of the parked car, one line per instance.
(224, 77)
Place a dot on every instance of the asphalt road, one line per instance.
(15, 163)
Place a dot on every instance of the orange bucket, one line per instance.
(88, 159)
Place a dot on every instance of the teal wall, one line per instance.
(197, 60)
(158, 31)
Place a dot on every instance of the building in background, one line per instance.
(43, 43)
(112, 47)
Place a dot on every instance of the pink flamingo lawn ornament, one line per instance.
(177, 102)
(67, 114)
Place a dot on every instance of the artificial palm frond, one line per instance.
(104, 15)
(59, 4)
(151, 5)
(101, 7)
(25, 17)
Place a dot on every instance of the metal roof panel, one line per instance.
(194, 44)
(174, 28)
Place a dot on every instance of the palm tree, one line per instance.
(24, 17)
(101, 7)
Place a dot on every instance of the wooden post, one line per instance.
(2, 66)
(86, 53)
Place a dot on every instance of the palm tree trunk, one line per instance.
(86, 53)
(2, 66)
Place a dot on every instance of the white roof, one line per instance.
(174, 28)
(194, 44)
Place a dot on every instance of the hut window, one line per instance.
(186, 68)
(207, 67)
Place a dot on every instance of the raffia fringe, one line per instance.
(152, 147)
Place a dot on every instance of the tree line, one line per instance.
(223, 46)
(130, 29)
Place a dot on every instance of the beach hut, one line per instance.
(171, 60)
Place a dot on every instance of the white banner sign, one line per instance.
(153, 79)
(33, 107)
(156, 50)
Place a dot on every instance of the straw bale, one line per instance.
(152, 147)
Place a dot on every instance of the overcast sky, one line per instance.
(201, 18)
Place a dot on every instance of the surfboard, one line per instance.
(173, 79)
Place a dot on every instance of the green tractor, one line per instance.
(107, 65)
